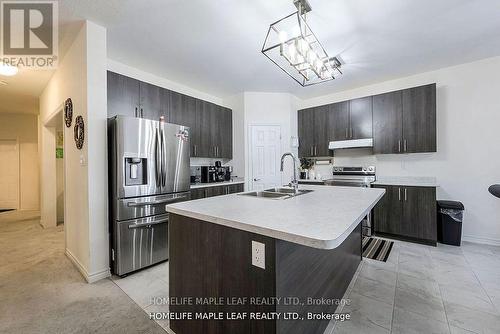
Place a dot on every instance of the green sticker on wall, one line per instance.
(59, 153)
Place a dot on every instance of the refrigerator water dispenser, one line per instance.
(136, 171)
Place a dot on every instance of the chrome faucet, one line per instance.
(294, 183)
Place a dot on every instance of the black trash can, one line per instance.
(450, 218)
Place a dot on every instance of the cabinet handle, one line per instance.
(405, 146)
(399, 193)
(217, 151)
(346, 133)
(312, 153)
(194, 149)
(142, 113)
(399, 145)
(315, 150)
(135, 112)
(351, 134)
(406, 194)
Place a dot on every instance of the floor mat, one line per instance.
(377, 249)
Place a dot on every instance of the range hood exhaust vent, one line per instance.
(355, 143)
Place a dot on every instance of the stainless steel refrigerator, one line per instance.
(148, 168)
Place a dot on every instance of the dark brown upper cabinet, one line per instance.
(204, 117)
(226, 133)
(387, 123)
(154, 102)
(123, 95)
(405, 121)
(313, 132)
(350, 119)
(321, 135)
(338, 121)
(306, 132)
(211, 128)
(419, 119)
(345, 120)
(361, 118)
(402, 121)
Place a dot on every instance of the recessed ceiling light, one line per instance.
(8, 70)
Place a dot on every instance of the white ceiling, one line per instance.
(214, 46)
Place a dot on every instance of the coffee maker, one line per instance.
(208, 174)
(223, 173)
(220, 172)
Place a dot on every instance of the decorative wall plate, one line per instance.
(79, 132)
(68, 112)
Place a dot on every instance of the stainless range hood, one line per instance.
(353, 143)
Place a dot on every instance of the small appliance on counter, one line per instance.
(223, 173)
(211, 174)
(195, 174)
(208, 174)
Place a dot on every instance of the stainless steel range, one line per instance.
(149, 168)
(355, 177)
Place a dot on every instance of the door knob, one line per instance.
(256, 179)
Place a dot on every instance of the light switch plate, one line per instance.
(259, 254)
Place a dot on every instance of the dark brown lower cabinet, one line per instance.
(216, 190)
(213, 264)
(408, 213)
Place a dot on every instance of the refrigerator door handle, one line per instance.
(168, 200)
(163, 158)
(157, 159)
(148, 224)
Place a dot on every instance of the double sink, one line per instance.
(276, 193)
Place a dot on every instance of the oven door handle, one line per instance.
(162, 201)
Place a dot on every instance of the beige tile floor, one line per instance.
(421, 289)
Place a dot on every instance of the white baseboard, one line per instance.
(99, 275)
(481, 240)
(90, 278)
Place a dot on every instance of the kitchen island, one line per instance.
(243, 264)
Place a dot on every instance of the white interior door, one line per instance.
(9, 174)
(265, 141)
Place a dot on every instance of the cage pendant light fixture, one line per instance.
(294, 48)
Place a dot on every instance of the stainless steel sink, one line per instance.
(264, 194)
(288, 191)
(276, 193)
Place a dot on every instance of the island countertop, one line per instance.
(323, 218)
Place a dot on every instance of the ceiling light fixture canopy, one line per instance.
(7, 70)
(294, 48)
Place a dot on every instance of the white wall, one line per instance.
(468, 137)
(24, 128)
(257, 108)
(81, 75)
